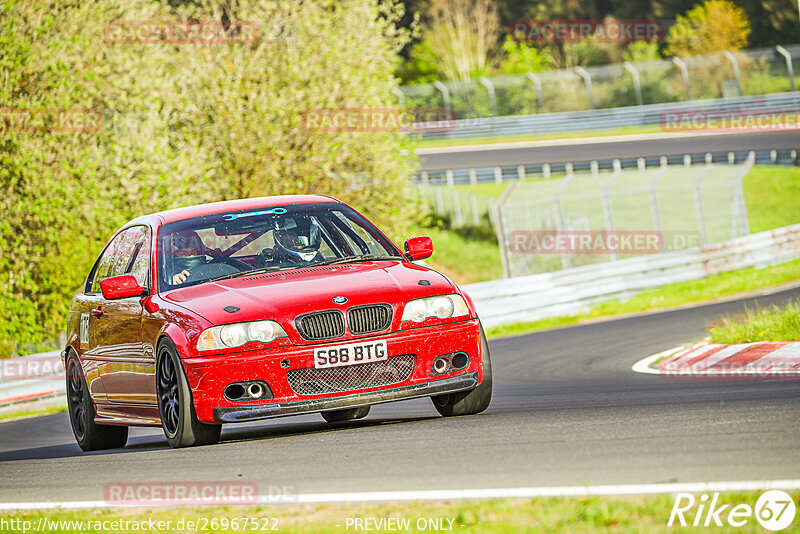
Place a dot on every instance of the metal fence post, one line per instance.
(473, 176)
(698, 200)
(425, 179)
(637, 84)
(782, 51)
(587, 79)
(498, 175)
(735, 64)
(476, 218)
(449, 177)
(654, 202)
(546, 170)
(560, 213)
(490, 206)
(537, 83)
(490, 88)
(521, 173)
(445, 96)
(439, 201)
(400, 96)
(458, 219)
(607, 206)
(739, 206)
(499, 227)
(684, 74)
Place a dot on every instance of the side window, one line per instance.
(139, 265)
(118, 257)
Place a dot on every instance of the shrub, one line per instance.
(182, 123)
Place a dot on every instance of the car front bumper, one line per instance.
(208, 376)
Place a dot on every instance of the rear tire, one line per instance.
(89, 435)
(175, 406)
(350, 414)
(473, 401)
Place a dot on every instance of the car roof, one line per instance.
(200, 210)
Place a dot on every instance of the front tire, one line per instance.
(175, 406)
(89, 435)
(350, 414)
(473, 401)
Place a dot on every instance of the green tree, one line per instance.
(462, 35)
(710, 27)
(180, 123)
(521, 57)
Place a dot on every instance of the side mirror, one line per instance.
(418, 248)
(121, 287)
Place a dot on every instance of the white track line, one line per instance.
(643, 365)
(446, 495)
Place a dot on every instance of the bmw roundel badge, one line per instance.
(339, 300)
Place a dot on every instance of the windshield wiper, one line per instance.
(334, 261)
(353, 259)
(248, 273)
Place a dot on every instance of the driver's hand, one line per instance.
(180, 277)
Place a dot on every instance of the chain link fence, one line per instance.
(581, 219)
(747, 72)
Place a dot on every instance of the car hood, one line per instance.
(282, 296)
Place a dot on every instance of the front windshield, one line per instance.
(229, 244)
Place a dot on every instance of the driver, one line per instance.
(297, 239)
(188, 253)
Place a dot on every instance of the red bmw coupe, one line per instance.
(258, 308)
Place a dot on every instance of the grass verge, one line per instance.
(768, 324)
(16, 413)
(551, 515)
(693, 291)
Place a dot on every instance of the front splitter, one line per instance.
(239, 414)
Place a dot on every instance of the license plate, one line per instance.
(350, 354)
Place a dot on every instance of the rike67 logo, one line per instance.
(774, 510)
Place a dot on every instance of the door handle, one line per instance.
(97, 312)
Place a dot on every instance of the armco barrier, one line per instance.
(572, 291)
(605, 119)
(30, 378)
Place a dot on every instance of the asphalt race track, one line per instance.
(567, 149)
(567, 410)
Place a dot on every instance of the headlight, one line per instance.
(235, 335)
(442, 307)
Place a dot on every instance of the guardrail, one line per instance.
(605, 119)
(573, 291)
(25, 379)
(473, 176)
